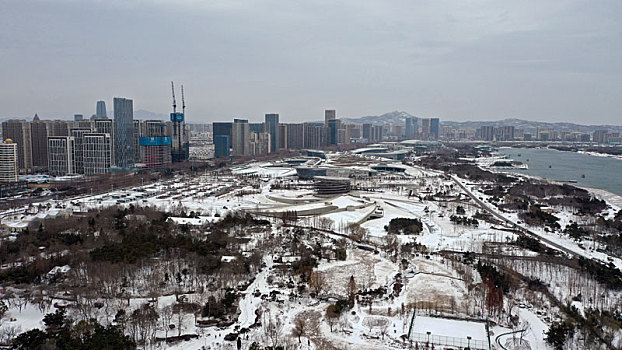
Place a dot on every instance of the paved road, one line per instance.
(510, 222)
(498, 341)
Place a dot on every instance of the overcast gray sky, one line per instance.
(459, 60)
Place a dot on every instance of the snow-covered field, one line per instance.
(444, 296)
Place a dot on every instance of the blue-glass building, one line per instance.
(123, 132)
(222, 145)
(272, 128)
(435, 127)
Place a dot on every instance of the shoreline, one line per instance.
(611, 198)
(579, 151)
(573, 178)
(599, 154)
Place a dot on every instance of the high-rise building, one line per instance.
(85, 124)
(367, 132)
(39, 131)
(487, 133)
(614, 138)
(8, 161)
(96, 153)
(425, 128)
(448, 133)
(376, 133)
(398, 131)
(341, 136)
(222, 135)
(415, 127)
(283, 136)
(410, 128)
(61, 128)
(19, 131)
(333, 131)
(139, 131)
(355, 131)
(373, 133)
(78, 158)
(106, 126)
(272, 128)
(544, 136)
(259, 143)
(123, 132)
(352, 132)
(222, 145)
(179, 145)
(315, 135)
(295, 136)
(506, 133)
(78, 117)
(329, 114)
(600, 136)
(100, 110)
(256, 127)
(155, 144)
(240, 138)
(435, 128)
(61, 151)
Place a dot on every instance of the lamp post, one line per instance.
(428, 333)
(468, 342)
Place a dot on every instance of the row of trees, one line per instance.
(464, 220)
(62, 332)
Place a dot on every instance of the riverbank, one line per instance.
(579, 169)
(598, 154)
(611, 198)
(596, 151)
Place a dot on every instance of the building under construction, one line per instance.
(180, 148)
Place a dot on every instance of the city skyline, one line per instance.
(557, 61)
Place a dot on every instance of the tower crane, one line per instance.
(174, 103)
(183, 102)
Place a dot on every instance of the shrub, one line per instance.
(404, 226)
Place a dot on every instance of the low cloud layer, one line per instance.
(466, 60)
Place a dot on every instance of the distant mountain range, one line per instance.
(532, 125)
(398, 117)
(395, 117)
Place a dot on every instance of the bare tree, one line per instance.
(8, 333)
(180, 320)
(383, 329)
(317, 282)
(143, 323)
(357, 233)
(167, 317)
(300, 328)
(332, 316)
(326, 224)
(272, 330)
(392, 246)
(378, 322)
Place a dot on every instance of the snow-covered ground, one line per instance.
(427, 280)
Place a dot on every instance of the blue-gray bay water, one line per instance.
(587, 170)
